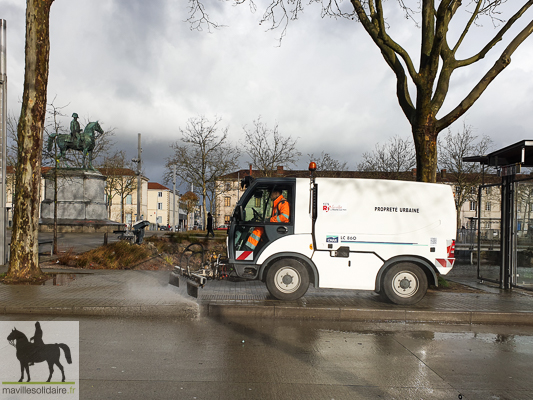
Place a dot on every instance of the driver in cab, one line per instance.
(280, 214)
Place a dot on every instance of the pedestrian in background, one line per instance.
(210, 225)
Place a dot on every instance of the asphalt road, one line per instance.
(282, 359)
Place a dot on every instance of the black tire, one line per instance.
(287, 279)
(404, 284)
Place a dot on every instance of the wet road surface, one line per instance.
(282, 359)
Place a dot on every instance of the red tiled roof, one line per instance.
(155, 185)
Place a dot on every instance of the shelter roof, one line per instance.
(517, 153)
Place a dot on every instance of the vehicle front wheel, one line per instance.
(405, 284)
(287, 279)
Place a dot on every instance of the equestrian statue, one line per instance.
(77, 140)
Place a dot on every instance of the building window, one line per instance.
(128, 218)
(129, 199)
(159, 206)
(159, 194)
(473, 206)
(227, 201)
(487, 206)
(228, 186)
(227, 219)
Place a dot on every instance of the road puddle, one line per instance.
(59, 279)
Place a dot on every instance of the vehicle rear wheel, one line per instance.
(405, 284)
(287, 279)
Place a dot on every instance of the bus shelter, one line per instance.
(505, 246)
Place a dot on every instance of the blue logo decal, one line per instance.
(332, 239)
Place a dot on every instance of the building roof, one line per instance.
(117, 171)
(156, 186)
(442, 177)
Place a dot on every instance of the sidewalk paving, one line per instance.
(148, 294)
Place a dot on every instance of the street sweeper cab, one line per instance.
(392, 237)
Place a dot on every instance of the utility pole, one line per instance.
(3, 143)
(138, 160)
(174, 199)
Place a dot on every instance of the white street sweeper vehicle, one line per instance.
(392, 237)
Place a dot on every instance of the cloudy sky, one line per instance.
(136, 66)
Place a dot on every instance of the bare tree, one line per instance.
(121, 180)
(395, 157)
(12, 139)
(268, 149)
(54, 126)
(466, 176)
(202, 155)
(327, 165)
(190, 201)
(421, 90)
(24, 262)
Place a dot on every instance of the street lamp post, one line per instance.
(3, 143)
(138, 161)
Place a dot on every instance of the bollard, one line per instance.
(105, 238)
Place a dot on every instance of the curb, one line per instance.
(369, 315)
(194, 311)
(175, 311)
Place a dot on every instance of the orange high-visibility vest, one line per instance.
(280, 213)
(281, 210)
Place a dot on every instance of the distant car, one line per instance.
(223, 227)
(164, 228)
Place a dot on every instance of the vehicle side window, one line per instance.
(283, 207)
(259, 207)
(255, 207)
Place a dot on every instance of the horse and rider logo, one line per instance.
(33, 351)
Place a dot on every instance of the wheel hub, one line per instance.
(405, 284)
(286, 279)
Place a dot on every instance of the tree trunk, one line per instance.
(24, 263)
(425, 137)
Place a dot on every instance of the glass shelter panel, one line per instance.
(523, 244)
(489, 233)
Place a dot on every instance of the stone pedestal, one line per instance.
(81, 203)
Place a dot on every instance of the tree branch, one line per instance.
(389, 55)
(498, 37)
(499, 66)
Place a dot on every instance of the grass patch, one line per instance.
(443, 283)
(157, 252)
(119, 255)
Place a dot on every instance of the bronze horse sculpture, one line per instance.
(29, 353)
(84, 142)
